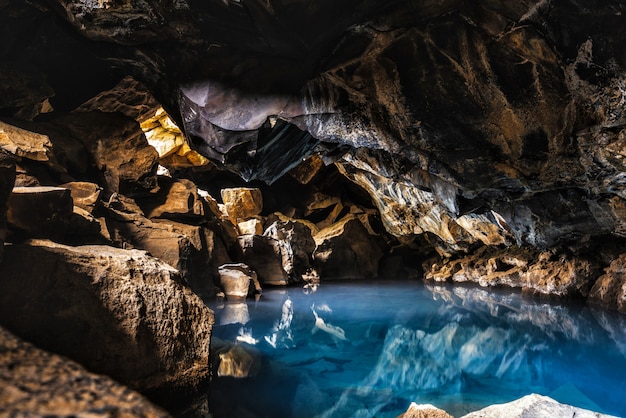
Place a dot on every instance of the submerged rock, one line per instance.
(118, 312)
(34, 382)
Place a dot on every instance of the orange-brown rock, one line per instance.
(34, 382)
(85, 195)
(238, 281)
(178, 199)
(424, 411)
(24, 144)
(242, 202)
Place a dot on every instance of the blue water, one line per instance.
(370, 349)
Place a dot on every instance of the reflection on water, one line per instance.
(365, 350)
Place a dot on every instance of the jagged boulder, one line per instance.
(610, 288)
(345, 250)
(34, 382)
(263, 254)
(295, 244)
(118, 312)
(39, 212)
(194, 250)
(116, 146)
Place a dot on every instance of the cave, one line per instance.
(161, 161)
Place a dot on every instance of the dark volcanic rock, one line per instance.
(37, 383)
(7, 178)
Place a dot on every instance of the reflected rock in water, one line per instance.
(320, 325)
(281, 335)
(239, 362)
(245, 336)
(234, 313)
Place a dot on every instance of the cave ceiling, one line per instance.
(508, 115)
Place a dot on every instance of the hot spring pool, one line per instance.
(369, 349)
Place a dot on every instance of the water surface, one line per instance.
(370, 349)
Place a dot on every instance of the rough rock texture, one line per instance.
(535, 406)
(263, 254)
(296, 244)
(242, 202)
(84, 194)
(610, 289)
(34, 382)
(509, 113)
(534, 272)
(177, 199)
(118, 312)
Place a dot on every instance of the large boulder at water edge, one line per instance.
(535, 406)
(295, 244)
(34, 382)
(118, 312)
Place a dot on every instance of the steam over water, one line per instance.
(370, 349)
